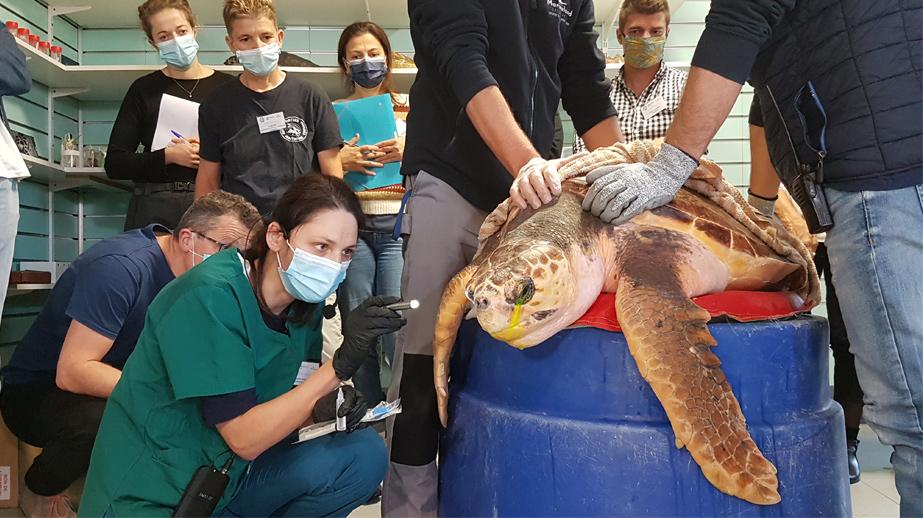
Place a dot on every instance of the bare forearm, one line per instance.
(208, 179)
(496, 125)
(330, 163)
(764, 182)
(605, 133)
(707, 101)
(91, 378)
(264, 425)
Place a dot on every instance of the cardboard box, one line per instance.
(30, 277)
(9, 468)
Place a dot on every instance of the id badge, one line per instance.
(653, 107)
(271, 122)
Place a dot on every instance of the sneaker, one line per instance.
(854, 471)
(37, 506)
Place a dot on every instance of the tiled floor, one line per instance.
(873, 496)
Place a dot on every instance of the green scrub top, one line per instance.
(203, 336)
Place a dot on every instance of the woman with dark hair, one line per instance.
(164, 180)
(222, 376)
(364, 55)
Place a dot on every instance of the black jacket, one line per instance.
(865, 60)
(538, 52)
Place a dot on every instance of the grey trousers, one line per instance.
(440, 232)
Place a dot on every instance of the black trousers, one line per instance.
(62, 423)
(165, 208)
(846, 388)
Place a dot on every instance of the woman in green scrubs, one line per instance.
(213, 377)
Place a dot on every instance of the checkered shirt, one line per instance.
(668, 83)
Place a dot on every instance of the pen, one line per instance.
(340, 425)
(177, 135)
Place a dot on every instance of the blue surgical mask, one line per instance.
(368, 72)
(179, 52)
(261, 60)
(311, 278)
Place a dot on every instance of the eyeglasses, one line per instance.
(221, 246)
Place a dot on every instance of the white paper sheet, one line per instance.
(176, 114)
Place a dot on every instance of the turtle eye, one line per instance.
(526, 291)
(469, 294)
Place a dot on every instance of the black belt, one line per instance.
(150, 188)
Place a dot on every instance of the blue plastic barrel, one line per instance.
(569, 427)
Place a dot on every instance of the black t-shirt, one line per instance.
(137, 121)
(258, 166)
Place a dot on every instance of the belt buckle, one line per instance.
(181, 186)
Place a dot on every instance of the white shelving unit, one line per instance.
(23, 289)
(61, 178)
(110, 82)
(387, 13)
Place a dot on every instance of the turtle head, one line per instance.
(524, 294)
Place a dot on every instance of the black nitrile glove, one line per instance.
(363, 327)
(353, 408)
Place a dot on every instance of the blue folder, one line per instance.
(373, 119)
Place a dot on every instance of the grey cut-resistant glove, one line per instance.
(620, 192)
(765, 206)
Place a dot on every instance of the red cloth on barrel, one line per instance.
(743, 306)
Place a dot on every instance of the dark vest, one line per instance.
(865, 60)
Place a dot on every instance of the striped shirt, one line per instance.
(667, 84)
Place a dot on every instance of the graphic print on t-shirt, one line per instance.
(295, 129)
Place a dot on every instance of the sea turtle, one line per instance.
(537, 271)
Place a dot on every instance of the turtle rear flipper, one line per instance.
(452, 310)
(668, 338)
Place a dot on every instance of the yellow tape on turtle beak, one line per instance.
(512, 332)
(517, 314)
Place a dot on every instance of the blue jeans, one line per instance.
(328, 476)
(9, 215)
(375, 270)
(876, 255)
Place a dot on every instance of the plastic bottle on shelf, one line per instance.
(56, 52)
(23, 34)
(34, 40)
(70, 155)
(13, 27)
(44, 47)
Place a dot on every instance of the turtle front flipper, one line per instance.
(452, 310)
(668, 338)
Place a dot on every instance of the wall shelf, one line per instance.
(387, 13)
(23, 289)
(61, 178)
(110, 82)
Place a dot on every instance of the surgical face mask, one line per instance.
(194, 254)
(261, 60)
(311, 278)
(368, 72)
(179, 52)
(643, 52)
